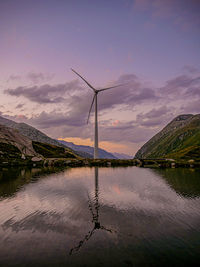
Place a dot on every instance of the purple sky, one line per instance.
(151, 44)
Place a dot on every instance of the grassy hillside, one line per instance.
(9, 151)
(51, 151)
(179, 139)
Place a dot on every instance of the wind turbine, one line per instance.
(94, 100)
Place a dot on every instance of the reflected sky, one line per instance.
(52, 212)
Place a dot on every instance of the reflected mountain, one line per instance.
(186, 182)
(94, 209)
(13, 179)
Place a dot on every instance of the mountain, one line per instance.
(179, 139)
(12, 144)
(29, 132)
(122, 156)
(16, 148)
(51, 151)
(103, 154)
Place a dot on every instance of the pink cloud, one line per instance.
(115, 123)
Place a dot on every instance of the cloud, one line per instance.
(126, 132)
(57, 119)
(34, 77)
(39, 77)
(182, 81)
(193, 92)
(155, 117)
(155, 113)
(143, 95)
(181, 86)
(14, 78)
(190, 69)
(19, 106)
(44, 94)
(191, 107)
(130, 95)
(78, 99)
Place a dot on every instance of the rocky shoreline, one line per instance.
(78, 162)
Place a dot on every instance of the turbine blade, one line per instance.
(110, 87)
(84, 80)
(91, 108)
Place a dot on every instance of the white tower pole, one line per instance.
(96, 131)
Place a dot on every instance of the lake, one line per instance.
(99, 217)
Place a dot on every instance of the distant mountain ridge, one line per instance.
(122, 155)
(179, 139)
(103, 154)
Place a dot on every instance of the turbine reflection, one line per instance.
(94, 209)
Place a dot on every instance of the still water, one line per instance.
(100, 217)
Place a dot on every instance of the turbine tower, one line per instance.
(94, 100)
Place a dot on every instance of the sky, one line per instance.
(151, 46)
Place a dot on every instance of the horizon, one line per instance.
(153, 45)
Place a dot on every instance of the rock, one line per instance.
(139, 162)
(12, 137)
(173, 165)
(169, 159)
(35, 159)
(191, 161)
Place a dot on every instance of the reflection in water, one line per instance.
(13, 179)
(45, 212)
(94, 212)
(184, 181)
